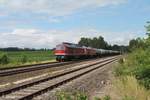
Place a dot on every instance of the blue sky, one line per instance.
(45, 23)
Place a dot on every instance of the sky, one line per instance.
(46, 23)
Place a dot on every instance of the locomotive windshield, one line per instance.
(60, 47)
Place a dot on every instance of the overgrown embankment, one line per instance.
(133, 72)
(136, 64)
(133, 76)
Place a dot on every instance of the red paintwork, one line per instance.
(75, 51)
(59, 52)
(66, 51)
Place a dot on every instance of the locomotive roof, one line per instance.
(72, 45)
(78, 46)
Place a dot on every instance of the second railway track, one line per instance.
(32, 89)
(31, 68)
(35, 67)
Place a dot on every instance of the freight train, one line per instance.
(68, 51)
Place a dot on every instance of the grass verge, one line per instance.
(13, 59)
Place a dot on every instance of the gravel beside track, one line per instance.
(9, 81)
(91, 84)
(30, 90)
(34, 67)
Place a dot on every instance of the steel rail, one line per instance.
(8, 91)
(35, 67)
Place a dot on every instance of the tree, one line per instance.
(148, 33)
(84, 42)
(133, 43)
(148, 28)
(94, 42)
(100, 43)
(136, 43)
(4, 59)
(115, 47)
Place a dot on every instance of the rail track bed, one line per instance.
(31, 68)
(21, 78)
(34, 67)
(38, 87)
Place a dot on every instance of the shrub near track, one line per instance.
(77, 96)
(4, 59)
(134, 69)
(137, 65)
(133, 72)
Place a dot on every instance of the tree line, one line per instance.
(100, 43)
(137, 63)
(142, 43)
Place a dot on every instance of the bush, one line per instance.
(143, 75)
(71, 96)
(136, 64)
(97, 98)
(121, 61)
(24, 59)
(137, 68)
(106, 97)
(4, 59)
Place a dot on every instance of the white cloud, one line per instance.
(54, 11)
(26, 13)
(54, 7)
(34, 38)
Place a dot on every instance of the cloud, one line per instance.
(16, 15)
(29, 13)
(34, 38)
(25, 38)
(54, 7)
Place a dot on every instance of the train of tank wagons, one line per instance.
(69, 51)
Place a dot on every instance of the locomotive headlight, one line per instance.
(62, 57)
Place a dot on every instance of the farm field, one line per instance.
(16, 58)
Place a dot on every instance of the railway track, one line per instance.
(33, 89)
(23, 66)
(30, 68)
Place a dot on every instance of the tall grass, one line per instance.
(128, 89)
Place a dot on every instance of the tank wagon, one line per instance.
(68, 51)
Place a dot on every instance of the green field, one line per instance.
(16, 58)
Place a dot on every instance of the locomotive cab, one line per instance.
(60, 52)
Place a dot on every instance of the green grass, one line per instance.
(16, 58)
(127, 88)
(61, 95)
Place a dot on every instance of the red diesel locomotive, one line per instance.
(69, 51)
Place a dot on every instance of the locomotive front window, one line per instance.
(60, 47)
